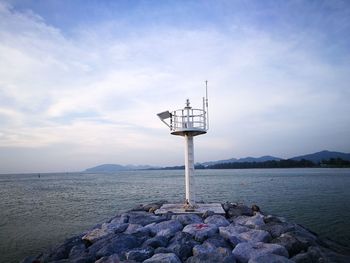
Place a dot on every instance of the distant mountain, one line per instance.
(323, 155)
(244, 160)
(111, 168)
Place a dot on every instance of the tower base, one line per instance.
(198, 209)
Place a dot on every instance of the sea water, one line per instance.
(39, 212)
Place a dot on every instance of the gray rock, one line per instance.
(272, 219)
(139, 254)
(250, 221)
(220, 255)
(217, 241)
(157, 241)
(270, 258)
(166, 228)
(217, 220)
(133, 228)
(238, 234)
(62, 252)
(200, 232)
(106, 229)
(163, 250)
(187, 219)
(277, 229)
(320, 254)
(144, 218)
(181, 244)
(293, 245)
(77, 251)
(239, 210)
(208, 213)
(163, 258)
(247, 250)
(109, 259)
(255, 208)
(117, 244)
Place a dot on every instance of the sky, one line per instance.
(81, 81)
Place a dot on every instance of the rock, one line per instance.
(187, 219)
(62, 252)
(211, 257)
(163, 250)
(270, 258)
(226, 206)
(255, 208)
(166, 228)
(114, 245)
(200, 232)
(239, 210)
(217, 241)
(272, 219)
(163, 258)
(293, 245)
(302, 258)
(133, 228)
(238, 234)
(217, 220)
(139, 254)
(208, 213)
(144, 218)
(181, 244)
(110, 259)
(252, 221)
(320, 254)
(157, 241)
(277, 229)
(77, 251)
(247, 250)
(106, 229)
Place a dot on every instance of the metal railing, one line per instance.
(188, 119)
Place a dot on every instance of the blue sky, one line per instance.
(81, 81)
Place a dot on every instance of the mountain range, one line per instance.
(314, 157)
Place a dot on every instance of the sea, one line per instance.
(38, 212)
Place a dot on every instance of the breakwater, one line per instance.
(243, 234)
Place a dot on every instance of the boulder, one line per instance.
(239, 210)
(166, 228)
(211, 257)
(200, 232)
(157, 241)
(255, 208)
(77, 251)
(249, 250)
(250, 221)
(187, 219)
(277, 229)
(217, 220)
(270, 258)
(109, 259)
(207, 214)
(106, 229)
(163, 258)
(117, 244)
(272, 219)
(144, 218)
(162, 250)
(62, 252)
(132, 229)
(217, 241)
(139, 254)
(293, 245)
(181, 244)
(238, 234)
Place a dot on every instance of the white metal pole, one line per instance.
(189, 170)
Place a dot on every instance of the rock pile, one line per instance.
(243, 235)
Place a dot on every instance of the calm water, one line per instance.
(39, 213)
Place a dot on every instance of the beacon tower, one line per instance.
(188, 122)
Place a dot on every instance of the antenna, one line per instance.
(206, 103)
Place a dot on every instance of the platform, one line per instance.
(200, 209)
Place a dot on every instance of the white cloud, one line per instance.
(98, 92)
